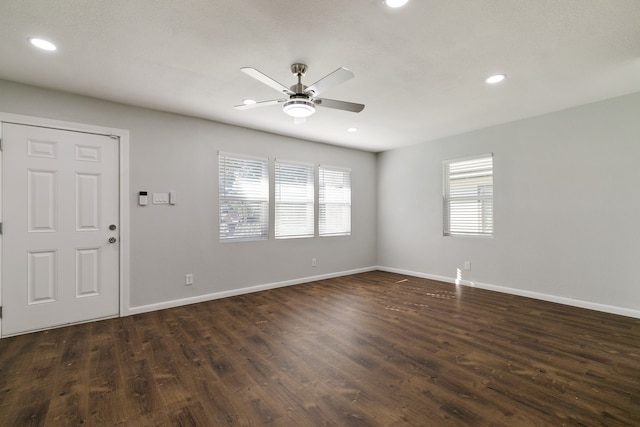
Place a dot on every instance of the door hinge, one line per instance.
(0, 228)
(0, 144)
(0, 312)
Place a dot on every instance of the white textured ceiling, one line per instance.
(420, 69)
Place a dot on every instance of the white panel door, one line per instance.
(60, 201)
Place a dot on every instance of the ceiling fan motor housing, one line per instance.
(299, 70)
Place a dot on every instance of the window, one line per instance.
(243, 187)
(334, 201)
(468, 196)
(294, 200)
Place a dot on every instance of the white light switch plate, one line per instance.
(160, 198)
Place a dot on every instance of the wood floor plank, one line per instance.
(373, 349)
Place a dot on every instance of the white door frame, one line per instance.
(122, 136)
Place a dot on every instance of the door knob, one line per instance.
(112, 240)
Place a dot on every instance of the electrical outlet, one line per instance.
(313, 262)
(188, 279)
(467, 265)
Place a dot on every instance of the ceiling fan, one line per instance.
(302, 100)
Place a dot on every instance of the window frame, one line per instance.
(475, 216)
(256, 202)
(323, 204)
(308, 218)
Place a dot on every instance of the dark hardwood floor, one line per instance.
(373, 349)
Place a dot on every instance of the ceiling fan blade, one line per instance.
(260, 104)
(266, 80)
(339, 105)
(340, 75)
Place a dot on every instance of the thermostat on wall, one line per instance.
(143, 198)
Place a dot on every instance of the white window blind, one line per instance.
(294, 199)
(334, 201)
(468, 196)
(243, 191)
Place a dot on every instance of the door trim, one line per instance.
(122, 135)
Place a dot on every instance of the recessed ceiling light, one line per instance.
(42, 44)
(396, 3)
(496, 78)
(352, 130)
(248, 101)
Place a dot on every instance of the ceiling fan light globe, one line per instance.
(299, 108)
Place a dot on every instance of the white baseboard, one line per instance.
(512, 291)
(241, 291)
(523, 293)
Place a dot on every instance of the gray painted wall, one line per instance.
(172, 152)
(567, 207)
(567, 204)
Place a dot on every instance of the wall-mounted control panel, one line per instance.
(168, 198)
(160, 198)
(143, 198)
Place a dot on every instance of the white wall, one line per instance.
(172, 152)
(567, 208)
